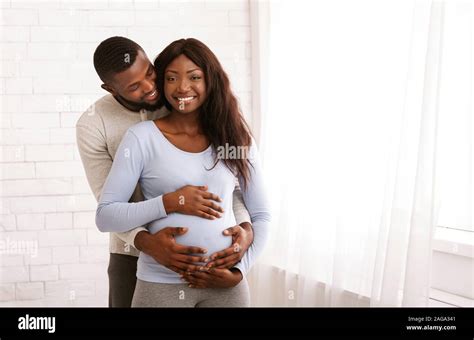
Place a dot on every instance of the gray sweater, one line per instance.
(99, 132)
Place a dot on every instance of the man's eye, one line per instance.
(134, 88)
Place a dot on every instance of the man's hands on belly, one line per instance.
(219, 273)
(213, 278)
(163, 248)
(242, 238)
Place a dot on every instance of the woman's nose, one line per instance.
(183, 86)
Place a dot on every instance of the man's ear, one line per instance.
(108, 89)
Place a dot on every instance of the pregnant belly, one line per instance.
(201, 232)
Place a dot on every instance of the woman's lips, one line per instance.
(185, 99)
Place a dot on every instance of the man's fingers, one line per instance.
(177, 270)
(186, 266)
(189, 250)
(202, 275)
(232, 230)
(198, 286)
(197, 281)
(235, 248)
(225, 266)
(191, 259)
(225, 262)
(176, 231)
(223, 253)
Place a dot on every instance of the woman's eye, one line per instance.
(170, 79)
(196, 78)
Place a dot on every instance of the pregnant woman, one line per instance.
(205, 141)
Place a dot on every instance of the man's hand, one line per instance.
(163, 248)
(213, 278)
(242, 238)
(193, 200)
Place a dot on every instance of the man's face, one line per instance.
(136, 86)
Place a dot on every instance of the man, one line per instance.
(129, 76)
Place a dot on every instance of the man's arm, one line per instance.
(97, 162)
(240, 210)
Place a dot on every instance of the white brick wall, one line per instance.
(63, 255)
(46, 81)
(29, 290)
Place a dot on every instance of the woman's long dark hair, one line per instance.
(220, 116)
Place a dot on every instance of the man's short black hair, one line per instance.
(115, 55)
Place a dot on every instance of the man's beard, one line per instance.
(134, 106)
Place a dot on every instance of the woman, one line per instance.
(186, 148)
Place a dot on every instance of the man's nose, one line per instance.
(148, 86)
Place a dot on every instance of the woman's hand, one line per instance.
(213, 278)
(193, 200)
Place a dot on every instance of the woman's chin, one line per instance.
(186, 110)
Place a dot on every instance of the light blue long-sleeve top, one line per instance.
(145, 155)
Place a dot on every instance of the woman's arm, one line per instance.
(256, 202)
(114, 212)
(96, 159)
(257, 205)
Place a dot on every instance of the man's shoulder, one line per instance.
(141, 128)
(159, 113)
(93, 114)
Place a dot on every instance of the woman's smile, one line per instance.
(185, 100)
(184, 85)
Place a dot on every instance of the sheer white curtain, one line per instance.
(349, 136)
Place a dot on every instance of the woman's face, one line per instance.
(184, 85)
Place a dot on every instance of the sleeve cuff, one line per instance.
(161, 212)
(133, 233)
(161, 207)
(240, 267)
(243, 217)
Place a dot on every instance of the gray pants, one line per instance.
(151, 294)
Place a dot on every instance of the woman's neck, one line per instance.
(186, 122)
